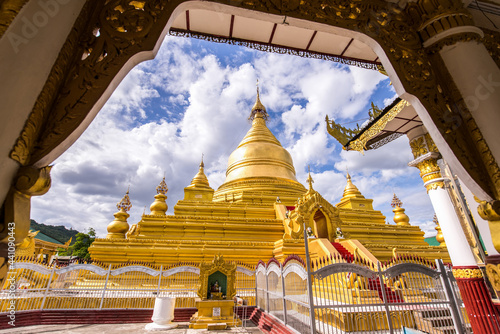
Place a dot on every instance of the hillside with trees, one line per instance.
(60, 233)
(80, 248)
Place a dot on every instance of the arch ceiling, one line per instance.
(273, 34)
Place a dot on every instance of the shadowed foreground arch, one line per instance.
(109, 38)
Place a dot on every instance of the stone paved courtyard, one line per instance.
(121, 328)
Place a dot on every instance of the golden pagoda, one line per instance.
(258, 212)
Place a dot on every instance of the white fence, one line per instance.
(94, 286)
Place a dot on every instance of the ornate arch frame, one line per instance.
(304, 213)
(217, 264)
(110, 37)
(314, 224)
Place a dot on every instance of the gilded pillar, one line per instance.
(15, 223)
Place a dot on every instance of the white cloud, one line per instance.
(169, 111)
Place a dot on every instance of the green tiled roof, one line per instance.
(44, 237)
(432, 241)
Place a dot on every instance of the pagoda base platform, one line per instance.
(214, 313)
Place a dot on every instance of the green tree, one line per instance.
(80, 248)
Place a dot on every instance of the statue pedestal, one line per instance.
(214, 312)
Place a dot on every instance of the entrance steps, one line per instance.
(437, 321)
(268, 324)
(346, 255)
(392, 296)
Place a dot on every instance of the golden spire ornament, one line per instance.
(439, 236)
(258, 109)
(200, 180)
(119, 226)
(159, 206)
(125, 203)
(400, 217)
(350, 190)
(310, 180)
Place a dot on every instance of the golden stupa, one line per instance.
(258, 212)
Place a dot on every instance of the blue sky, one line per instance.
(195, 97)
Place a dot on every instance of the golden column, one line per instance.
(119, 226)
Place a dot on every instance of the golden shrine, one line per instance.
(257, 213)
(216, 305)
(40, 245)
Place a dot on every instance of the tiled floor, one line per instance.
(121, 328)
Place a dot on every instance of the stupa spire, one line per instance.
(310, 180)
(258, 109)
(350, 190)
(400, 217)
(200, 179)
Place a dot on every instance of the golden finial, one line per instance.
(119, 226)
(125, 203)
(162, 187)
(201, 163)
(396, 202)
(439, 236)
(258, 109)
(310, 181)
(159, 206)
(400, 217)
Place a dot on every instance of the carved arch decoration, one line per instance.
(107, 34)
(304, 212)
(217, 264)
(8, 12)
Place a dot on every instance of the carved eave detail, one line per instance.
(342, 134)
(359, 144)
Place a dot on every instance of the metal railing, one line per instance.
(339, 295)
(97, 286)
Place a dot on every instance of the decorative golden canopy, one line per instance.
(162, 187)
(125, 204)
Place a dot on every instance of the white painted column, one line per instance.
(477, 77)
(458, 247)
(426, 156)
